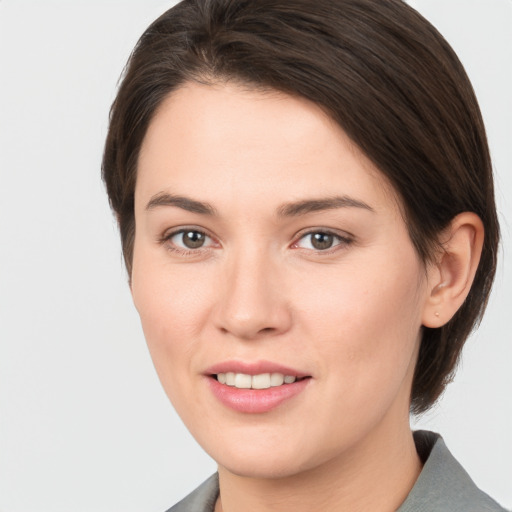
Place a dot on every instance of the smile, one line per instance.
(260, 381)
(255, 387)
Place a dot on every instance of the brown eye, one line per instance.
(322, 241)
(189, 239)
(193, 239)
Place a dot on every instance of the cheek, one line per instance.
(366, 323)
(173, 307)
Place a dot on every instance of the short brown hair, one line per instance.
(380, 70)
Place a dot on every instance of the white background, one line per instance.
(84, 424)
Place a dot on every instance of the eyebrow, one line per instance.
(317, 205)
(293, 209)
(185, 203)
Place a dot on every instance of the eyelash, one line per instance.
(343, 241)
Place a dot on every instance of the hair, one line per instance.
(380, 70)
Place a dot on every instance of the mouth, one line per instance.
(258, 381)
(255, 387)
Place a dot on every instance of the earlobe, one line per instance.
(451, 277)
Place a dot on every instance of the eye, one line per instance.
(188, 239)
(321, 241)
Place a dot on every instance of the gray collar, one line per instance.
(443, 484)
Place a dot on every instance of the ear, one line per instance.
(451, 277)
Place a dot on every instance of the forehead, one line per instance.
(225, 139)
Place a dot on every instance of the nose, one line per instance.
(252, 300)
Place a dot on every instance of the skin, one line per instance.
(349, 316)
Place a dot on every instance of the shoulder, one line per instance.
(202, 499)
(444, 485)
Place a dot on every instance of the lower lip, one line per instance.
(255, 401)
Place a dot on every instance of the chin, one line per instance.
(268, 468)
(265, 460)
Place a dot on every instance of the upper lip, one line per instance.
(253, 368)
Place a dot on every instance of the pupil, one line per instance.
(322, 241)
(193, 239)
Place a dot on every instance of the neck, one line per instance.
(376, 475)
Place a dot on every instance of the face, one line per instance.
(269, 253)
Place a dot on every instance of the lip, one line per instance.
(255, 401)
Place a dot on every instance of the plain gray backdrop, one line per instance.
(84, 424)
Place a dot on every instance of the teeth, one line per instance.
(243, 381)
(276, 379)
(261, 381)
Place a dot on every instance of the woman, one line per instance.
(305, 199)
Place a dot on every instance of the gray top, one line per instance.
(443, 485)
